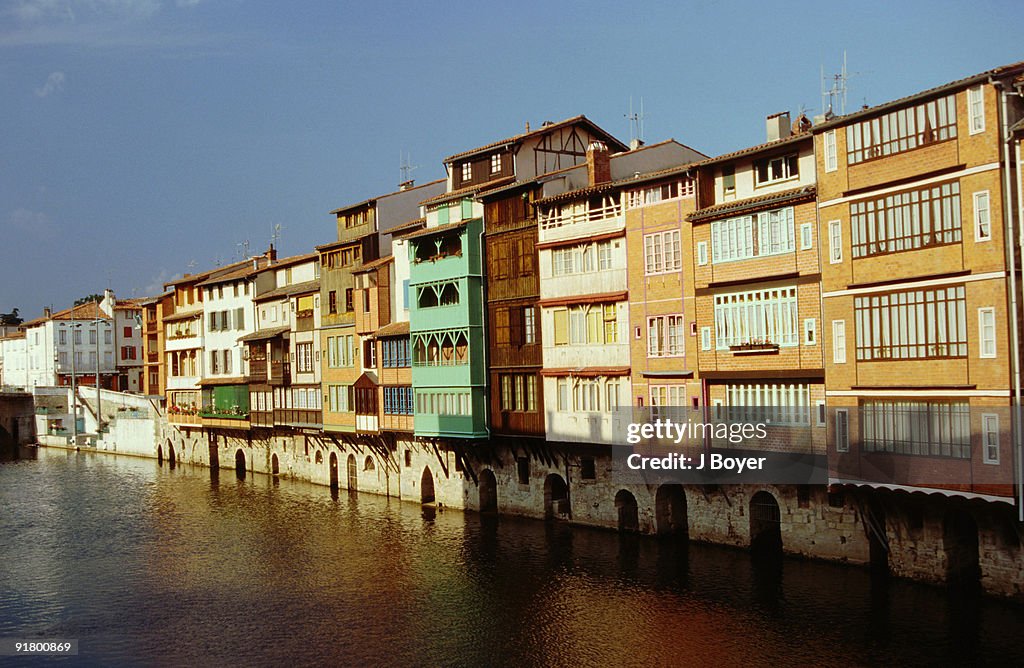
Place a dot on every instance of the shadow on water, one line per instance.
(10, 452)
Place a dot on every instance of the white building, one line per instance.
(14, 360)
(76, 342)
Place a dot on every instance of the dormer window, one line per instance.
(776, 169)
(495, 163)
(467, 171)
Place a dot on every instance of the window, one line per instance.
(107, 336)
(976, 109)
(821, 412)
(529, 325)
(739, 238)
(63, 335)
(902, 130)
(987, 332)
(771, 170)
(660, 193)
(408, 458)
(62, 359)
(770, 403)
(839, 341)
(588, 468)
(395, 353)
(467, 171)
(990, 438)
(127, 332)
(304, 357)
(340, 398)
(586, 324)
(835, 241)
(582, 259)
(340, 351)
(398, 400)
(215, 361)
(705, 338)
(76, 338)
(759, 317)
(348, 300)
(729, 179)
(518, 392)
(810, 332)
(982, 217)
(662, 252)
(806, 236)
(92, 337)
(332, 302)
(523, 470)
(228, 355)
(665, 336)
(909, 220)
(912, 324)
(495, 164)
(831, 163)
(441, 348)
(938, 429)
(668, 401)
(702, 253)
(370, 354)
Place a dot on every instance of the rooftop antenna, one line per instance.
(834, 94)
(244, 245)
(636, 123)
(275, 235)
(191, 264)
(405, 166)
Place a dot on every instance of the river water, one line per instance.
(152, 566)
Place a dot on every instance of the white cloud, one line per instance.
(25, 222)
(54, 84)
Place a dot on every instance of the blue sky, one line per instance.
(142, 136)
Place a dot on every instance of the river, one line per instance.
(156, 566)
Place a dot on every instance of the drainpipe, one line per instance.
(1014, 305)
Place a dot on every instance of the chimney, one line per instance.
(634, 144)
(778, 126)
(527, 127)
(271, 254)
(46, 312)
(599, 168)
(406, 185)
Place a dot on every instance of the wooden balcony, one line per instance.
(280, 373)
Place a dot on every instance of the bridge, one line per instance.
(17, 417)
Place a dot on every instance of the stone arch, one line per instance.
(556, 496)
(765, 524)
(353, 473)
(334, 470)
(275, 466)
(488, 492)
(670, 510)
(160, 454)
(240, 464)
(628, 511)
(171, 457)
(960, 543)
(427, 486)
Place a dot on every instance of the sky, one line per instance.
(144, 139)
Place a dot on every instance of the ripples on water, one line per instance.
(166, 567)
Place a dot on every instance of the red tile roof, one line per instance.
(468, 191)
(372, 200)
(753, 203)
(515, 139)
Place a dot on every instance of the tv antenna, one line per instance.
(636, 122)
(834, 94)
(191, 264)
(405, 166)
(275, 235)
(244, 245)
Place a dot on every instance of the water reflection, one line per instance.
(145, 564)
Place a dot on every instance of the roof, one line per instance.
(15, 335)
(597, 298)
(237, 272)
(394, 329)
(203, 275)
(411, 225)
(981, 77)
(340, 243)
(515, 139)
(289, 290)
(587, 372)
(373, 200)
(427, 231)
(579, 192)
(752, 203)
(186, 315)
(264, 334)
(379, 262)
(289, 261)
(468, 191)
(86, 311)
(132, 304)
(767, 146)
(228, 380)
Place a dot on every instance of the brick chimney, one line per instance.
(46, 312)
(271, 254)
(599, 168)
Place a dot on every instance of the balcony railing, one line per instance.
(550, 221)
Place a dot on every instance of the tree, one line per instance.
(89, 298)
